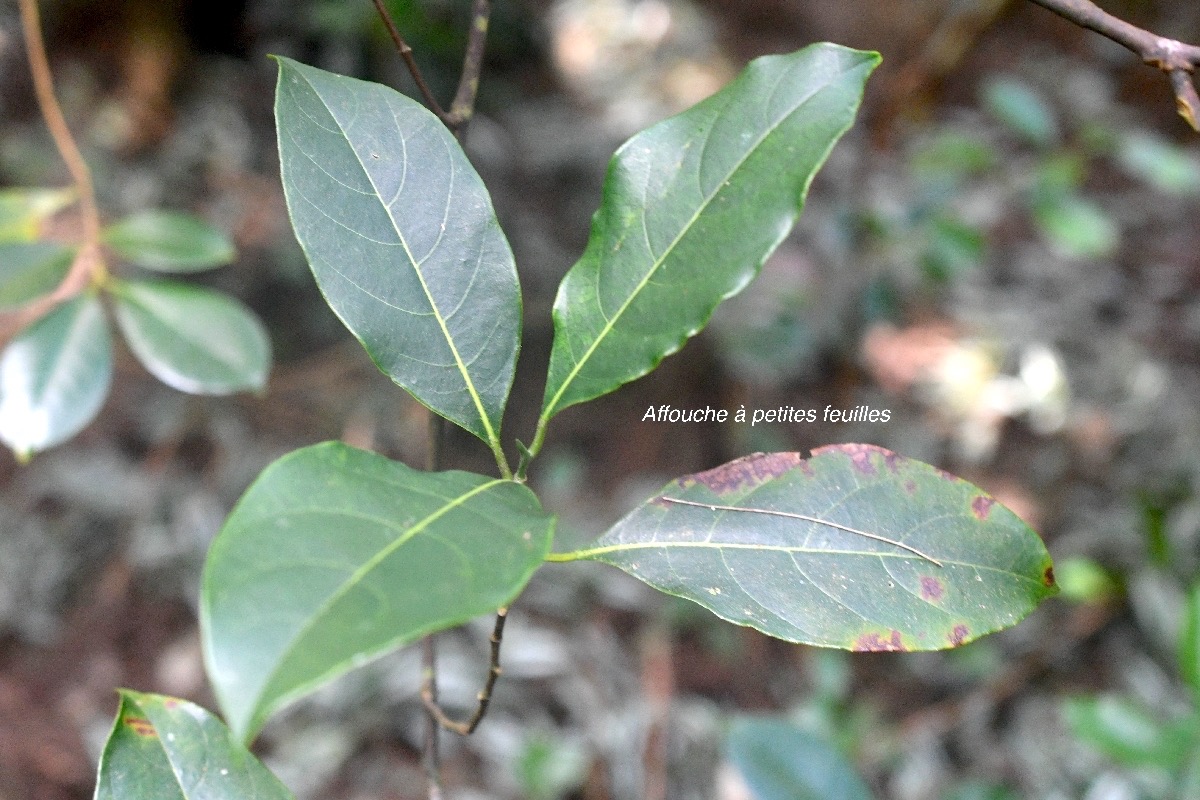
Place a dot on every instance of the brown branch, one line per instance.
(433, 759)
(88, 267)
(429, 687)
(1175, 58)
(463, 107)
(406, 54)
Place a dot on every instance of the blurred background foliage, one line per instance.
(1004, 253)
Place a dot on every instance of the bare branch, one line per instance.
(88, 267)
(1177, 59)
(406, 54)
(463, 107)
(429, 687)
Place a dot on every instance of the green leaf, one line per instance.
(336, 555)
(169, 241)
(193, 339)
(1165, 166)
(400, 233)
(55, 376)
(22, 211)
(163, 748)
(1128, 732)
(1077, 227)
(31, 269)
(780, 761)
(1022, 109)
(691, 209)
(1189, 641)
(890, 553)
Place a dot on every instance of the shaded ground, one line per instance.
(101, 540)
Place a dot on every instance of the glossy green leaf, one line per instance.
(335, 555)
(31, 269)
(169, 241)
(855, 547)
(1189, 641)
(22, 211)
(193, 339)
(55, 376)
(779, 761)
(163, 748)
(402, 238)
(691, 209)
(1128, 732)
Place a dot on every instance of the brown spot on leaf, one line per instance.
(959, 635)
(932, 588)
(910, 487)
(875, 643)
(747, 471)
(862, 456)
(141, 726)
(1048, 576)
(981, 506)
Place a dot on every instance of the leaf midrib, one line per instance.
(413, 263)
(357, 576)
(611, 323)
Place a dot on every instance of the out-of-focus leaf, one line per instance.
(1077, 227)
(169, 241)
(548, 768)
(402, 238)
(953, 155)
(31, 269)
(856, 548)
(1082, 580)
(336, 555)
(977, 790)
(691, 208)
(1189, 642)
(954, 247)
(1127, 732)
(1164, 165)
(22, 211)
(164, 748)
(779, 761)
(1022, 109)
(54, 376)
(193, 339)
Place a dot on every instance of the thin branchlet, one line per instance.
(1177, 59)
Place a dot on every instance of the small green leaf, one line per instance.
(1189, 642)
(1077, 227)
(780, 761)
(337, 555)
(855, 548)
(169, 241)
(402, 238)
(1082, 580)
(691, 209)
(1022, 109)
(163, 748)
(1128, 732)
(22, 211)
(55, 376)
(1165, 166)
(193, 339)
(31, 269)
